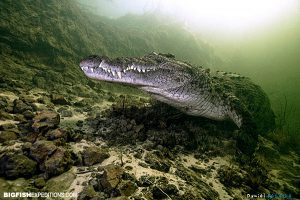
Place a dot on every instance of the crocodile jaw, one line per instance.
(130, 74)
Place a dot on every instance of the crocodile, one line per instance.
(192, 89)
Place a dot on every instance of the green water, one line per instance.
(271, 58)
(42, 43)
(268, 53)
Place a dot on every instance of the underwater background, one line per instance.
(63, 132)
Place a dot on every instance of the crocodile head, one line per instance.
(168, 80)
(155, 73)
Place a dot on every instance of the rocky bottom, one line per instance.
(128, 147)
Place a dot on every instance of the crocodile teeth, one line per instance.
(113, 73)
(101, 64)
(119, 74)
(143, 70)
(109, 70)
(139, 69)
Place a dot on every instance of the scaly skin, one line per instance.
(193, 90)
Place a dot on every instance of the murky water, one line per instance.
(41, 45)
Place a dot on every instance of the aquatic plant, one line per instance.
(257, 176)
(230, 177)
(284, 136)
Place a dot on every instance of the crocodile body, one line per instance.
(193, 90)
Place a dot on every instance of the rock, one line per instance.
(93, 155)
(84, 183)
(109, 180)
(41, 149)
(66, 113)
(139, 153)
(79, 123)
(157, 193)
(30, 137)
(93, 182)
(157, 163)
(45, 120)
(73, 135)
(127, 188)
(161, 180)
(28, 114)
(129, 177)
(199, 170)
(26, 146)
(229, 177)
(59, 99)
(138, 128)
(3, 102)
(17, 185)
(128, 167)
(19, 117)
(56, 134)
(84, 102)
(27, 99)
(17, 165)
(88, 192)
(146, 181)
(170, 189)
(59, 162)
(7, 126)
(7, 136)
(19, 106)
(4, 116)
(83, 91)
(39, 182)
(60, 183)
(39, 82)
(43, 100)
(142, 164)
(60, 109)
